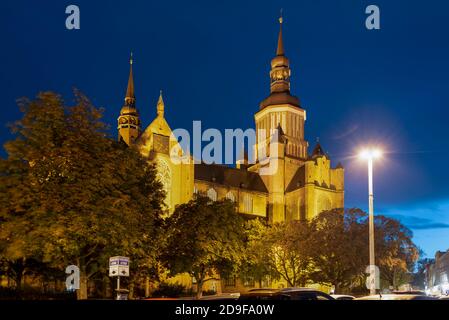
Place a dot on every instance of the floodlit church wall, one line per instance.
(295, 205)
(337, 178)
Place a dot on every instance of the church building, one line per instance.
(303, 185)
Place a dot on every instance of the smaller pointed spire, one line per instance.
(280, 47)
(318, 151)
(160, 105)
(130, 97)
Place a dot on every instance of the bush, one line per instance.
(169, 290)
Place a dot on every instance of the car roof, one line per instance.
(411, 292)
(396, 297)
(262, 290)
(298, 289)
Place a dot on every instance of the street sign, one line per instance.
(119, 267)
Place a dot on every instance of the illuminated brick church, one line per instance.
(303, 185)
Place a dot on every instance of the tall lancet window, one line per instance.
(230, 196)
(212, 194)
(248, 204)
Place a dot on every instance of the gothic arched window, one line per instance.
(248, 203)
(212, 194)
(230, 196)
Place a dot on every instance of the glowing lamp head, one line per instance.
(370, 154)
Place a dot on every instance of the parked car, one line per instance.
(342, 297)
(223, 296)
(285, 294)
(396, 296)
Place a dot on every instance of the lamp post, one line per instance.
(370, 155)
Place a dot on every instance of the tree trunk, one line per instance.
(82, 292)
(336, 288)
(131, 291)
(19, 270)
(199, 286)
(147, 287)
(19, 280)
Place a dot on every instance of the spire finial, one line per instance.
(130, 99)
(160, 105)
(280, 48)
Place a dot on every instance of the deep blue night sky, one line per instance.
(211, 58)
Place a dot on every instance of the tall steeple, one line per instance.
(281, 110)
(280, 66)
(128, 121)
(280, 76)
(280, 48)
(130, 98)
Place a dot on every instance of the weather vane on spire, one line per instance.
(281, 19)
(131, 58)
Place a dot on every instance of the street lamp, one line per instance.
(370, 155)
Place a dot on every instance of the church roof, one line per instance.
(318, 151)
(228, 176)
(298, 180)
(276, 98)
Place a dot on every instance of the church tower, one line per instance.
(281, 108)
(129, 121)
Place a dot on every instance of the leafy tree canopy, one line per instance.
(204, 238)
(72, 195)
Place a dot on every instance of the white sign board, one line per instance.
(119, 266)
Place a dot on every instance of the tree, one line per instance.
(396, 254)
(255, 263)
(204, 238)
(72, 195)
(339, 247)
(287, 251)
(419, 277)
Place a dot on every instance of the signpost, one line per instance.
(119, 267)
